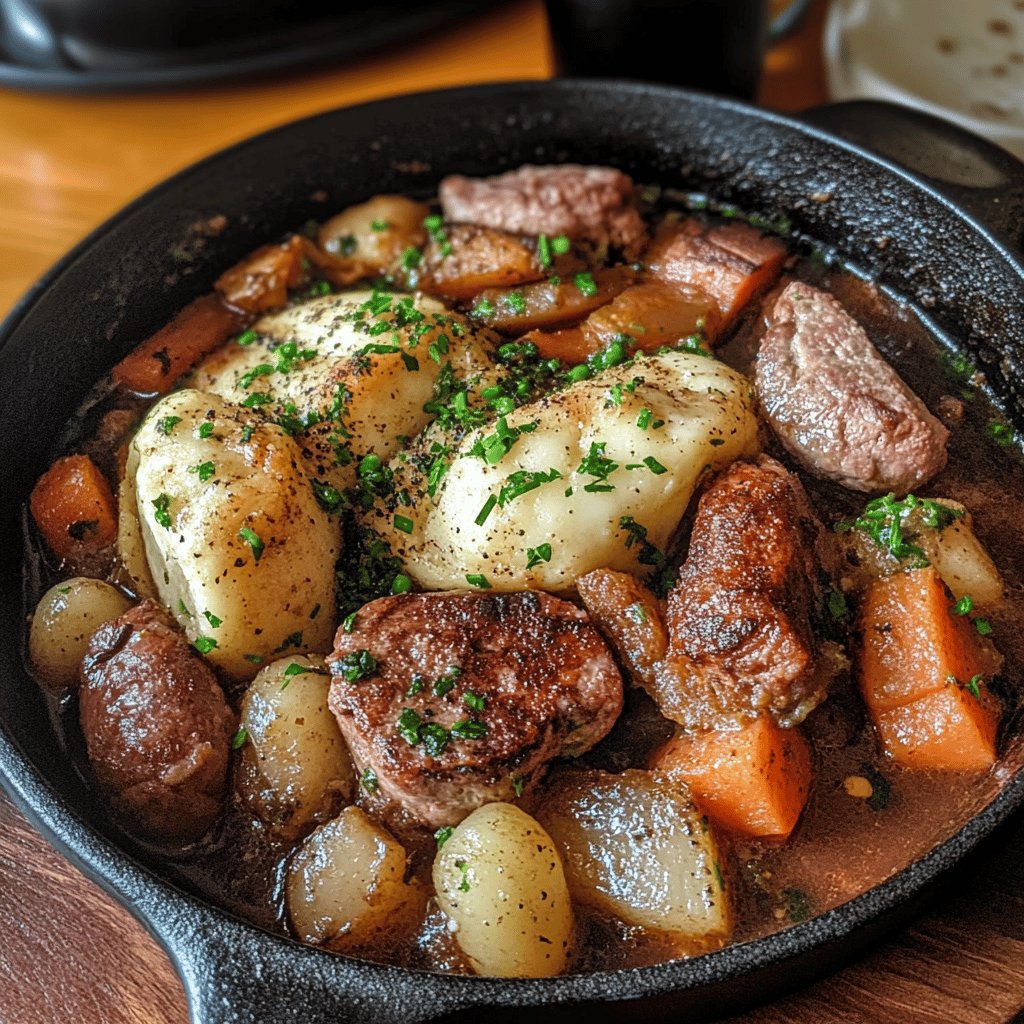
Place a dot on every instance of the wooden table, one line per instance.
(67, 951)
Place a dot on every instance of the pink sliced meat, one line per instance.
(837, 405)
(587, 204)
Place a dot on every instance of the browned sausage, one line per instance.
(157, 727)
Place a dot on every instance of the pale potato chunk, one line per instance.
(346, 887)
(499, 878)
(357, 372)
(963, 563)
(634, 846)
(631, 442)
(373, 235)
(295, 766)
(66, 617)
(238, 547)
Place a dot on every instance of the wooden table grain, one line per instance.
(69, 952)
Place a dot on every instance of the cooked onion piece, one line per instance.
(239, 549)
(347, 374)
(631, 442)
(65, 618)
(346, 885)
(499, 878)
(295, 767)
(634, 846)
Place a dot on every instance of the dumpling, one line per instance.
(234, 538)
(587, 477)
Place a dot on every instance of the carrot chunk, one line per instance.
(155, 365)
(923, 672)
(732, 263)
(73, 507)
(951, 729)
(752, 781)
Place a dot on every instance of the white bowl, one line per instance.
(958, 59)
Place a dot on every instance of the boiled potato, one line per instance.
(64, 620)
(295, 768)
(373, 235)
(346, 886)
(635, 846)
(239, 549)
(632, 441)
(500, 880)
(357, 376)
(962, 561)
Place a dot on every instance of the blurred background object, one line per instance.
(716, 45)
(115, 44)
(958, 59)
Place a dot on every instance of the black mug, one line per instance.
(715, 45)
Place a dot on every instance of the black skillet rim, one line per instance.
(162, 906)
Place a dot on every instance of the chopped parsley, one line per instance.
(162, 510)
(654, 465)
(401, 585)
(518, 784)
(204, 644)
(585, 284)
(239, 739)
(598, 465)
(534, 556)
(544, 251)
(204, 470)
(973, 686)
(475, 579)
(1002, 433)
(884, 520)
(206, 429)
(446, 683)
(355, 665)
(368, 780)
(330, 499)
(411, 258)
(252, 539)
(247, 378)
(214, 620)
(983, 626)
(349, 622)
(408, 726)
(167, 424)
(247, 337)
(463, 867)
(403, 523)
(964, 606)
(643, 421)
(379, 225)
(474, 701)
(442, 835)
(469, 729)
(560, 245)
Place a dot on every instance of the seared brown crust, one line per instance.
(837, 405)
(740, 615)
(588, 204)
(156, 726)
(548, 683)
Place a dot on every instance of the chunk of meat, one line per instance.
(630, 616)
(837, 405)
(527, 675)
(732, 263)
(589, 204)
(157, 727)
(741, 614)
(472, 258)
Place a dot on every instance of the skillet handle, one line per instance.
(234, 973)
(974, 174)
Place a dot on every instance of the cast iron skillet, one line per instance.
(940, 220)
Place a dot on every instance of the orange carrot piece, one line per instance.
(569, 345)
(732, 263)
(950, 729)
(752, 781)
(922, 671)
(74, 508)
(155, 365)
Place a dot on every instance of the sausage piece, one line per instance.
(454, 700)
(837, 405)
(741, 615)
(157, 727)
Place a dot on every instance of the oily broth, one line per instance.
(842, 845)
